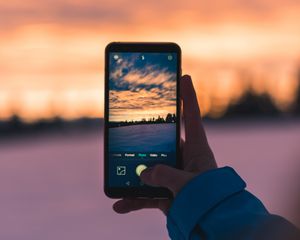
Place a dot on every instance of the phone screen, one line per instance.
(141, 114)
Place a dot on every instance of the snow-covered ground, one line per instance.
(51, 185)
(143, 138)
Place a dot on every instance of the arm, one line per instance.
(215, 205)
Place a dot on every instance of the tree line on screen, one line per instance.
(170, 118)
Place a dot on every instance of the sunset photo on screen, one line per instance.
(142, 102)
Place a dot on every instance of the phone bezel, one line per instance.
(121, 192)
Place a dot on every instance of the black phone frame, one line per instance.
(139, 192)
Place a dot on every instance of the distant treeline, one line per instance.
(258, 106)
(15, 126)
(170, 118)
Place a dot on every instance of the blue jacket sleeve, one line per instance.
(215, 205)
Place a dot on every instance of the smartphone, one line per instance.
(141, 115)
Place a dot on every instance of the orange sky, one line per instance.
(141, 89)
(51, 52)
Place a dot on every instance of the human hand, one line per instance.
(196, 156)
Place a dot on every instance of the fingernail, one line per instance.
(186, 77)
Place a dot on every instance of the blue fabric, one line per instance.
(215, 205)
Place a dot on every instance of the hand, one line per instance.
(197, 157)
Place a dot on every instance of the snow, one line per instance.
(51, 185)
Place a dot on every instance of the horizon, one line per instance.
(150, 119)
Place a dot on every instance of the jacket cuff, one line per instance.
(200, 195)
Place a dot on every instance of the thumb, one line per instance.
(164, 176)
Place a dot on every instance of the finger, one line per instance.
(194, 130)
(128, 205)
(164, 176)
(181, 164)
(182, 142)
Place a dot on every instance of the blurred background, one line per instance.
(243, 56)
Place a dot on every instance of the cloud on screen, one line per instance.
(138, 88)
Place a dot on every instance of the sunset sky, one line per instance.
(142, 85)
(52, 52)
